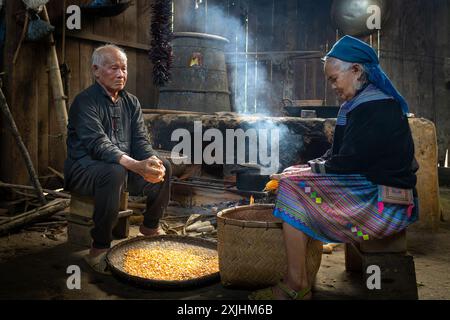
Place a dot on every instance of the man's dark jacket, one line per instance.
(101, 130)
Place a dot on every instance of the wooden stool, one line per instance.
(81, 223)
(398, 276)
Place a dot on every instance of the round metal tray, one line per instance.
(115, 256)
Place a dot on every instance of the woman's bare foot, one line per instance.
(151, 232)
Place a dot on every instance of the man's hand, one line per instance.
(154, 170)
(151, 169)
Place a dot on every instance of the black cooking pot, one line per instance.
(324, 112)
(249, 178)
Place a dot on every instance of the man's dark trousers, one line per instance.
(105, 182)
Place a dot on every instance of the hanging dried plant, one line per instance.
(161, 49)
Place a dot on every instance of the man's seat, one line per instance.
(80, 219)
(398, 276)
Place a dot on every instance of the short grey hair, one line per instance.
(98, 57)
(344, 66)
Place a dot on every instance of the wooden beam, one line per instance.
(165, 111)
(102, 39)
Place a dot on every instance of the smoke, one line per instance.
(249, 71)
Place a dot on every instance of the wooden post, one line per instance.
(57, 87)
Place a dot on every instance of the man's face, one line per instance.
(113, 73)
(343, 82)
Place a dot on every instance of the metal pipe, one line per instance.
(246, 66)
(256, 75)
(379, 42)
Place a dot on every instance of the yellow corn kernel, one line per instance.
(272, 185)
(169, 264)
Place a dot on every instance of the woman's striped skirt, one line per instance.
(339, 208)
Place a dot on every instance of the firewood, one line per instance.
(50, 192)
(135, 205)
(59, 174)
(33, 215)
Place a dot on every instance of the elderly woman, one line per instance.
(363, 188)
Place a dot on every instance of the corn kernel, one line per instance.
(169, 264)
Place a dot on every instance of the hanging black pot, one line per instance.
(351, 16)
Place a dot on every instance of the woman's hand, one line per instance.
(292, 171)
(298, 167)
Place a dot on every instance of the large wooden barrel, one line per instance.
(199, 75)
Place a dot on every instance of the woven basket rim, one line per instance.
(248, 223)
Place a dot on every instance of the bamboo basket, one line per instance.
(251, 248)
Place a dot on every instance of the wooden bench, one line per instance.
(398, 276)
(80, 220)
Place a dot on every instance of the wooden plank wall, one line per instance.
(413, 47)
(289, 25)
(20, 85)
(131, 30)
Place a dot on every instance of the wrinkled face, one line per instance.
(112, 74)
(345, 82)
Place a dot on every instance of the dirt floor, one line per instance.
(33, 266)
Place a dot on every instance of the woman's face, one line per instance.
(345, 82)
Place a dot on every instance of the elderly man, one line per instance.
(109, 151)
(363, 188)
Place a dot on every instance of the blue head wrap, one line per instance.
(353, 50)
